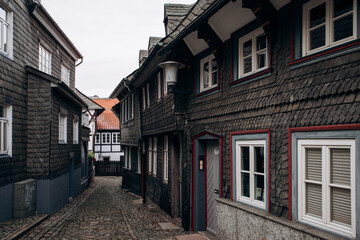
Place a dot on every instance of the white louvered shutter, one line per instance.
(313, 168)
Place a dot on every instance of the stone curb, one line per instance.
(27, 228)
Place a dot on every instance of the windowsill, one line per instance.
(207, 92)
(4, 156)
(139, 173)
(279, 220)
(6, 55)
(62, 142)
(326, 54)
(128, 121)
(253, 77)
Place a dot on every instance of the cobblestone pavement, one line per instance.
(105, 211)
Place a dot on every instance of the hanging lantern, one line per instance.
(171, 69)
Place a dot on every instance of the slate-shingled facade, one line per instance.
(33, 102)
(264, 127)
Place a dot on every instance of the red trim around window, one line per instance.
(231, 160)
(310, 129)
(315, 55)
(251, 76)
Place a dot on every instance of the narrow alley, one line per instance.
(105, 211)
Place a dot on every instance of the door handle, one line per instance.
(216, 191)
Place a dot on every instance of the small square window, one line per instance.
(106, 138)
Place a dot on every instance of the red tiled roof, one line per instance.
(107, 119)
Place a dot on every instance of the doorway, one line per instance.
(207, 175)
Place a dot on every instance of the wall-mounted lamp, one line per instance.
(171, 68)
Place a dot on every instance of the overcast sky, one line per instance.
(109, 34)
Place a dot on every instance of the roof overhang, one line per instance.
(62, 88)
(44, 18)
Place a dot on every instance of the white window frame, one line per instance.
(325, 223)
(250, 200)
(252, 36)
(44, 60)
(6, 146)
(97, 138)
(158, 86)
(148, 95)
(107, 138)
(154, 168)
(165, 86)
(117, 138)
(144, 97)
(166, 159)
(139, 161)
(7, 25)
(62, 128)
(65, 74)
(75, 131)
(129, 159)
(329, 26)
(150, 155)
(208, 60)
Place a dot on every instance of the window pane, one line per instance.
(343, 27)
(247, 65)
(247, 46)
(260, 42)
(5, 38)
(2, 111)
(3, 14)
(245, 185)
(341, 205)
(342, 6)
(317, 15)
(206, 75)
(1, 44)
(259, 159)
(245, 154)
(340, 166)
(5, 137)
(214, 65)
(313, 161)
(313, 200)
(214, 78)
(261, 58)
(1, 135)
(317, 37)
(259, 187)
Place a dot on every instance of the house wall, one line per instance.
(130, 130)
(13, 81)
(132, 179)
(114, 151)
(324, 93)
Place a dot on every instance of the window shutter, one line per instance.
(314, 199)
(340, 166)
(313, 164)
(341, 205)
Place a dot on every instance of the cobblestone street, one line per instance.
(105, 211)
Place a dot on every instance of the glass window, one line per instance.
(326, 184)
(65, 75)
(250, 173)
(208, 73)
(253, 53)
(106, 138)
(166, 158)
(62, 128)
(328, 23)
(4, 30)
(97, 138)
(5, 130)
(154, 168)
(44, 60)
(150, 155)
(76, 131)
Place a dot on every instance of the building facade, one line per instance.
(263, 118)
(107, 133)
(42, 137)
